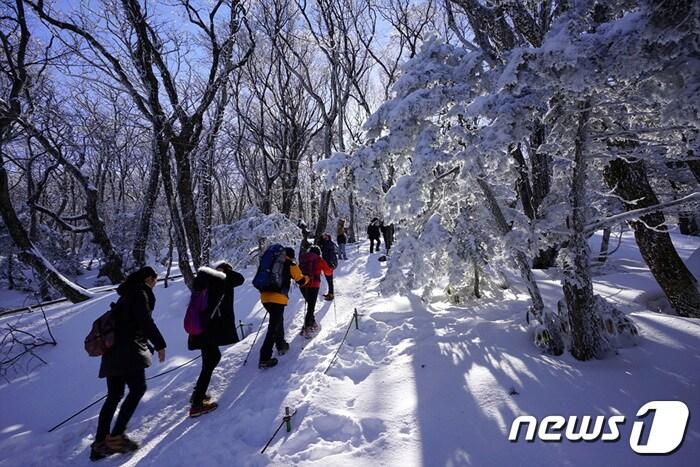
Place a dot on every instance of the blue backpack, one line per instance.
(270, 272)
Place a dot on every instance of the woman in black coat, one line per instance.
(135, 337)
(220, 328)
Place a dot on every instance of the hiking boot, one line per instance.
(206, 407)
(99, 450)
(207, 398)
(283, 349)
(329, 297)
(121, 443)
(267, 363)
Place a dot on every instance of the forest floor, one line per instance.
(417, 384)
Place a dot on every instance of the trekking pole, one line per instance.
(254, 339)
(77, 413)
(105, 396)
(335, 311)
(287, 419)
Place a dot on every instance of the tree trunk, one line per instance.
(604, 245)
(183, 256)
(629, 181)
(187, 204)
(28, 252)
(577, 283)
(351, 227)
(149, 202)
(324, 204)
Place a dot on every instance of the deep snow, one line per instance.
(417, 384)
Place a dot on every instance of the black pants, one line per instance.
(371, 244)
(115, 391)
(329, 279)
(275, 330)
(310, 295)
(211, 356)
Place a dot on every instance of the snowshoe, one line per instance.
(121, 444)
(284, 349)
(267, 363)
(99, 450)
(206, 407)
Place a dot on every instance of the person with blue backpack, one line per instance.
(273, 279)
(212, 305)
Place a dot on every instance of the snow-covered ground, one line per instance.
(417, 384)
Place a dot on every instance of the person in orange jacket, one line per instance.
(312, 265)
(274, 303)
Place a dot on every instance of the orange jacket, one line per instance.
(281, 298)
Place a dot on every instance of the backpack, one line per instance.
(102, 335)
(269, 275)
(307, 264)
(195, 320)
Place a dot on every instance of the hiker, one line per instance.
(342, 239)
(312, 265)
(136, 336)
(274, 302)
(373, 232)
(388, 234)
(329, 252)
(220, 328)
(305, 243)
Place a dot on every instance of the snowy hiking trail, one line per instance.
(417, 384)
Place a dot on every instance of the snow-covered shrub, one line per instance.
(241, 242)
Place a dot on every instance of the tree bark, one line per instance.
(577, 283)
(149, 202)
(604, 246)
(629, 181)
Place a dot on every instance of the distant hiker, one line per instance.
(329, 252)
(312, 265)
(305, 243)
(219, 327)
(124, 364)
(277, 268)
(342, 239)
(388, 234)
(373, 232)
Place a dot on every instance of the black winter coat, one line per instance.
(221, 328)
(373, 230)
(329, 252)
(134, 330)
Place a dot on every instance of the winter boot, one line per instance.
(284, 349)
(307, 332)
(267, 363)
(206, 407)
(99, 450)
(121, 443)
(328, 297)
(207, 398)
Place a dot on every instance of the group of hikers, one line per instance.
(136, 336)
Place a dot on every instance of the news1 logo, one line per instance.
(665, 434)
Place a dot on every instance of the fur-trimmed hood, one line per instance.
(206, 277)
(207, 271)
